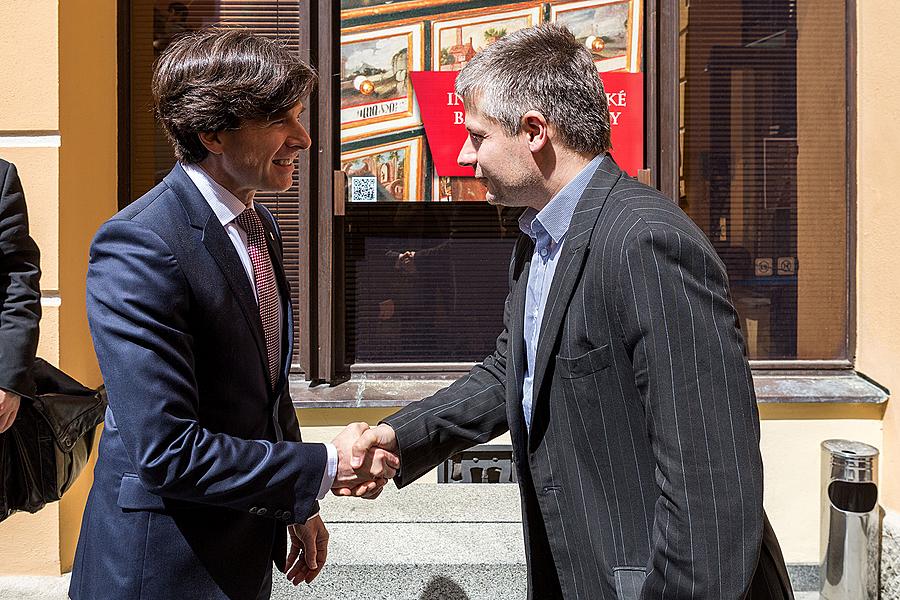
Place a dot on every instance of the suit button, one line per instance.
(287, 515)
(278, 514)
(261, 512)
(253, 510)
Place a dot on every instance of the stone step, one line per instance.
(416, 581)
(426, 542)
(346, 582)
(430, 503)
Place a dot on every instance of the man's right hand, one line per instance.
(366, 476)
(382, 437)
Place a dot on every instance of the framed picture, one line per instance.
(352, 9)
(457, 189)
(454, 42)
(385, 173)
(611, 30)
(376, 91)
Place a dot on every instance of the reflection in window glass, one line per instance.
(764, 164)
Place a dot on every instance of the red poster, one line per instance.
(443, 116)
(625, 95)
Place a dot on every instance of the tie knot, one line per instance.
(249, 221)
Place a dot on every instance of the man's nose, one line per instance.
(300, 137)
(466, 156)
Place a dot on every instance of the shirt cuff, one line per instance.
(330, 471)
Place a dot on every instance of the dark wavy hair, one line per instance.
(215, 79)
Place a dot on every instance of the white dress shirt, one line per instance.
(227, 207)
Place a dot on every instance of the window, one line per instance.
(425, 259)
(764, 154)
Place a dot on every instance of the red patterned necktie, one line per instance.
(266, 288)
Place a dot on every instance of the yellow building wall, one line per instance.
(29, 94)
(878, 215)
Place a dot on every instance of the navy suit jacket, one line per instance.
(200, 465)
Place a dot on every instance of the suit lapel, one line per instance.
(569, 268)
(219, 245)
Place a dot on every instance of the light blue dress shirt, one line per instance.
(548, 229)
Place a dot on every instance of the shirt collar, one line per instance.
(556, 216)
(223, 203)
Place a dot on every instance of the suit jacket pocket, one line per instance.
(133, 496)
(629, 581)
(585, 364)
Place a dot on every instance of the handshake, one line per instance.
(367, 458)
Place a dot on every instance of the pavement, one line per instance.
(428, 542)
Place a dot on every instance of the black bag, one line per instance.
(50, 441)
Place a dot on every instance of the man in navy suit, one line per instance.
(201, 468)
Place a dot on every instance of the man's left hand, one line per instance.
(9, 407)
(309, 549)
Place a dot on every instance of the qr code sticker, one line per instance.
(363, 189)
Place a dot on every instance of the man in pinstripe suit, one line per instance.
(620, 373)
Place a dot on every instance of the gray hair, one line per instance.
(540, 68)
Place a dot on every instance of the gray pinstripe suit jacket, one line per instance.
(641, 476)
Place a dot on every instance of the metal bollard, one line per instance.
(851, 523)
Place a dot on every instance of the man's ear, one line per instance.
(534, 128)
(212, 141)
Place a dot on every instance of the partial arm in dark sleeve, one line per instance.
(681, 331)
(138, 310)
(20, 296)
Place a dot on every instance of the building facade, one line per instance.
(773, 123)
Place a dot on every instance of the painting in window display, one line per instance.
(384, 41)
(610, 29)
(385, 173)
(363, 8)
(376, 92)
(456, 41)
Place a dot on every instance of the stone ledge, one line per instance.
(821, 387)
